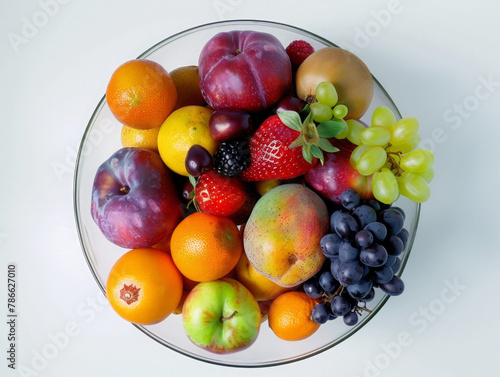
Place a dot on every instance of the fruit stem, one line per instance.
(231, 316)
(125, 190)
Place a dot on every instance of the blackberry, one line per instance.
(232, 157)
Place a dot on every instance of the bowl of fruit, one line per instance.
(247, 193)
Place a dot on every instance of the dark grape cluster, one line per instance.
(362, 253)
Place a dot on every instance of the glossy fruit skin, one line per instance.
(221, 196)
(187, 82)
(206, 247)
(182, 129)
(221, 316)
(349, 74)
(336, 175)
(261, 287)
(226, 125)
(156, 282)
(270, 156)
(282, 235)
(245, 70)
(134, 201)
(141, 94)
(198, 160)
(290, 103)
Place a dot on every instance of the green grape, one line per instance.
(326, 94)
(375, 136)
(385, 186)
(404, 130)
(340, 111)
(342, 134)
(354, 132)
(383, 116)
(417, 161)
(414, 187)
(321, 112)
(407, 146)
(427, 174)
(371, 160)
(356, 154)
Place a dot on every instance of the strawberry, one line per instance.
(219, 195)
(283, 147)
(298, 51)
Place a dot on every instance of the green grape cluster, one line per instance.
(386, 150)
(327, 107)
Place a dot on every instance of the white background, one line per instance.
(439, 60)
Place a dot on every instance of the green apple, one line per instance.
(221, 316)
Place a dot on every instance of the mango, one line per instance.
(282, 235)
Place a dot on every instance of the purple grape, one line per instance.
(340, 306)
(373, 256)
(351, 318)
(364, 238)
(320, 313)
(394, 287)
(350, 272)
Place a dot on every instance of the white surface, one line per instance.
(430, 56)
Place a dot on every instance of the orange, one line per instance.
(289, 316)
(205, 247)
(144, 286)
(141, 94)
(182, 129)
(187, 82)
(134, 137)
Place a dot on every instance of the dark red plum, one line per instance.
(134, 200)
(226, 125)
(336, 175)
(246, 70)
(290, 103)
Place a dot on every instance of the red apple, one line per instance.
(244, 70)
(134, 200)
(337, 175)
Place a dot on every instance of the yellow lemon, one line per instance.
(181, 130)
(134, 137)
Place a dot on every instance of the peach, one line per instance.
(282, 234)
(261, 287)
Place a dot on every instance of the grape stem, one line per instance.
(393, 162)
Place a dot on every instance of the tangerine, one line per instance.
(206, 247)
(137, 138)
(144, 286)
(141, 94)
(289, 316)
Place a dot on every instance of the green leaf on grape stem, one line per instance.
(330, 128)
(291, 119)
(327, 146)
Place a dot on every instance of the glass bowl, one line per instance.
(102, 138)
